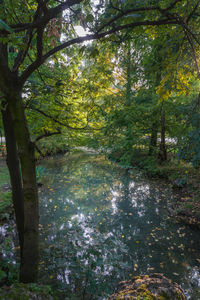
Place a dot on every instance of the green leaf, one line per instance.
(2, 274)
(3, 25)
(90, 18)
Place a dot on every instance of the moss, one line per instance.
(149, 287)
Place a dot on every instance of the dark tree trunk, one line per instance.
(15, 177)
(30, 257)
(153, 139)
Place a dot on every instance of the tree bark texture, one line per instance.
(30, 253)
(153, 139)
(15, 177)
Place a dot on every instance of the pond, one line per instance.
(100, 224)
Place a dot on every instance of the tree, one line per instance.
(30, 34)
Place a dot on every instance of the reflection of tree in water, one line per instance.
(100, 224)
(77, 251)
(140, 218)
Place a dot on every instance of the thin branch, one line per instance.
(114, 7)
(57, 121)
(49, 14)
(192, 12)
(43, 6)
(47, 134)
(29, 35)
(140, 9)
(181, 22)
(22, 54)
(125, 13)
(193, 53)
(173, 4)
(190, 32)
(39, 151)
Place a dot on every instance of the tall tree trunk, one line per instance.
(163, 152)
(30, 257)
(153, 139)
(15, 177)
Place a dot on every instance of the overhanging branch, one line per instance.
(47, 134)
(38, 62)
(57, 121)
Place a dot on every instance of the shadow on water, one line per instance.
(99, 224)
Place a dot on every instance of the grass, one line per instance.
(4, 174)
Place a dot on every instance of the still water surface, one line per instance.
(100, 224)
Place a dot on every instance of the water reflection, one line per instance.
(100, 224)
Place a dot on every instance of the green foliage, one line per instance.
(5, 26)
(5, 202)
(8, 269)
(190, 143)
(4, 174)
(52, 145)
